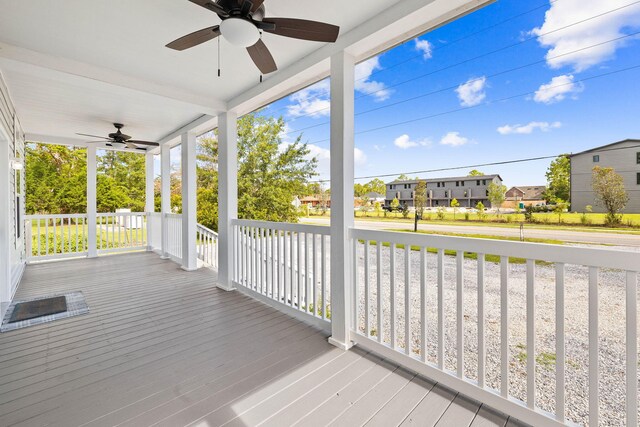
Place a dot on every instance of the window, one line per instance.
(638, 157)
(478, 182)
(391, 187)
(638, 178)
(596, 158)
(461, 183)
(457, 183)
(438, 185)
(484, 182)
(487, 193)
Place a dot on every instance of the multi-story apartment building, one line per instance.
(623, 157)
(468, 190)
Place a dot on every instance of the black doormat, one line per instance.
(38, 308)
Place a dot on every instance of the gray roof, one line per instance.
(452, 178)
(605, 146)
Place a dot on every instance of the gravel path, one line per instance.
(612, 327)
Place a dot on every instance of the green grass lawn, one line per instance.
(594, 221)
(108, 237)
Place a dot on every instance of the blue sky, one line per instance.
(563, 113)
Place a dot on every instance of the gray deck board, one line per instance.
(162, 346)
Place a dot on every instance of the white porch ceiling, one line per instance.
(79, 65)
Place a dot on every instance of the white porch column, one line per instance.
(5, 225)
(149, 190)
(342, 177)
(92, 203)
(165, 194)
(227, 195)
(189, 221)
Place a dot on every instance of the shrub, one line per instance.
(440, 213)
(482, 215)
(466, 216)
(509, 218)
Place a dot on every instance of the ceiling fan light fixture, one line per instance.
(239, 32)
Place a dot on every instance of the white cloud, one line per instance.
(585, 34)
(557, 89)
(312, 101)
(528, 128)
(363, 82)
(454, 139)
(323, 155)
(404, 142)
(472, 92)
(425, 47)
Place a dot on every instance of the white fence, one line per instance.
(284, 263)
(207, 246)
(174, 236)
(439, 305)
(56, 236)
(121, 232)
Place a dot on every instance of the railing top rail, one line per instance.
(284, 226)
(55, 216)
(208, 230)
(172, 215)
(593, 257)
(102, 214)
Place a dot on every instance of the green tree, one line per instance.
(419, 201)
(480, 211)
(610, 193)
(395, 204)
(270, 173)
(455, 205)
(376, 185)
(403, 177)
(475, 172)
(496, 194)
(558, 179)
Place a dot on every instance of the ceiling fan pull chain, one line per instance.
(219, 57)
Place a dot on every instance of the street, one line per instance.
(584, 237)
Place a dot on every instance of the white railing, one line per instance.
(121, 232)
(154, 231)
(515, 325)
(285, 264)
(207, 246)
(56, 236)
(174, 236)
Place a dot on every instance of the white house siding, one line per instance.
(12, 233)
(622, 157)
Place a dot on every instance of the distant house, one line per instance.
(623, 157)
(468, 190)
(527, 195)
(314, 201)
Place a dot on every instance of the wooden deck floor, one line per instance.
(162, 346)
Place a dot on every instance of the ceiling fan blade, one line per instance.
(93, 136)
(262, 57)
(130, 145)
(301, 29)
(256, 5)
(213, 7)
(149, 143)
(195, 38)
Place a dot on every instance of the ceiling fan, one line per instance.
(242, 23)
(120, 138)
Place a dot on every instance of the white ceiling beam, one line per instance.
(402, 21)
(199, 125)
(71, 71)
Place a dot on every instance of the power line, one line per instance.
(468, 36)
(470, 59)
(449, 44)
(457, 84)
(484, 104)
(480, 165)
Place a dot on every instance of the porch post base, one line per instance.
(164, 257)
(189, 268)
(227, 288)
(339, 344)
